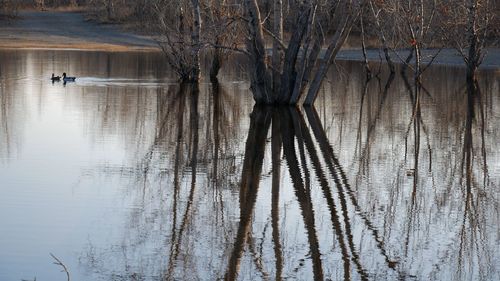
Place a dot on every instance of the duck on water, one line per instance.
(55, 78)
(64, 78)
(68, 78)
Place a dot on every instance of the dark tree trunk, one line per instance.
(196, 44)
(216, 65)
(109, 10)
(337, 41)
(277, 51)
(289, 73)
(260, 76)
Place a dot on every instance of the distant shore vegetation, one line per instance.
(290, 45)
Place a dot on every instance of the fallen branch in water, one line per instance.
(61, 264)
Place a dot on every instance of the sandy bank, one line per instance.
(68, 30)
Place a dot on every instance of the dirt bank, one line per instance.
(67, 30)
(70, 30)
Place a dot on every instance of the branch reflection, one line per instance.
(312, 195)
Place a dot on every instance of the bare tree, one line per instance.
(467, 24)
(284, 80)
(414, 30)
(9, 8)
(377, 11)
(180, 25)
(221, 32)
(191, 28)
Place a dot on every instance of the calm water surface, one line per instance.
(126, 175)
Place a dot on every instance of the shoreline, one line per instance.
(70, 30)
(55, 30)
(69, 47)
(446, 57)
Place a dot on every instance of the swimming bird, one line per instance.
(68, 78)
(55, 78)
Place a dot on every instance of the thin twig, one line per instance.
(235, 49)
(275, 38)
(61, 264)
(431, 61)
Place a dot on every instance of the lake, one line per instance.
(127, 175)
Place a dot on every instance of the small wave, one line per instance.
(120, 82)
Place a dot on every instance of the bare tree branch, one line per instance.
(61, 264)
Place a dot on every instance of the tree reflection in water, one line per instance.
(385, 181)
(291, 205)
(472, 236)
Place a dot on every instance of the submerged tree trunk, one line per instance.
(473, 57)
(216, 65)
(337, 41)
(363, 48)
(474, 52)
(277, 51)
(308, 61)
(388, 59)
(289, 73)
(290, 76)
(259, 75)
(196, 44)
